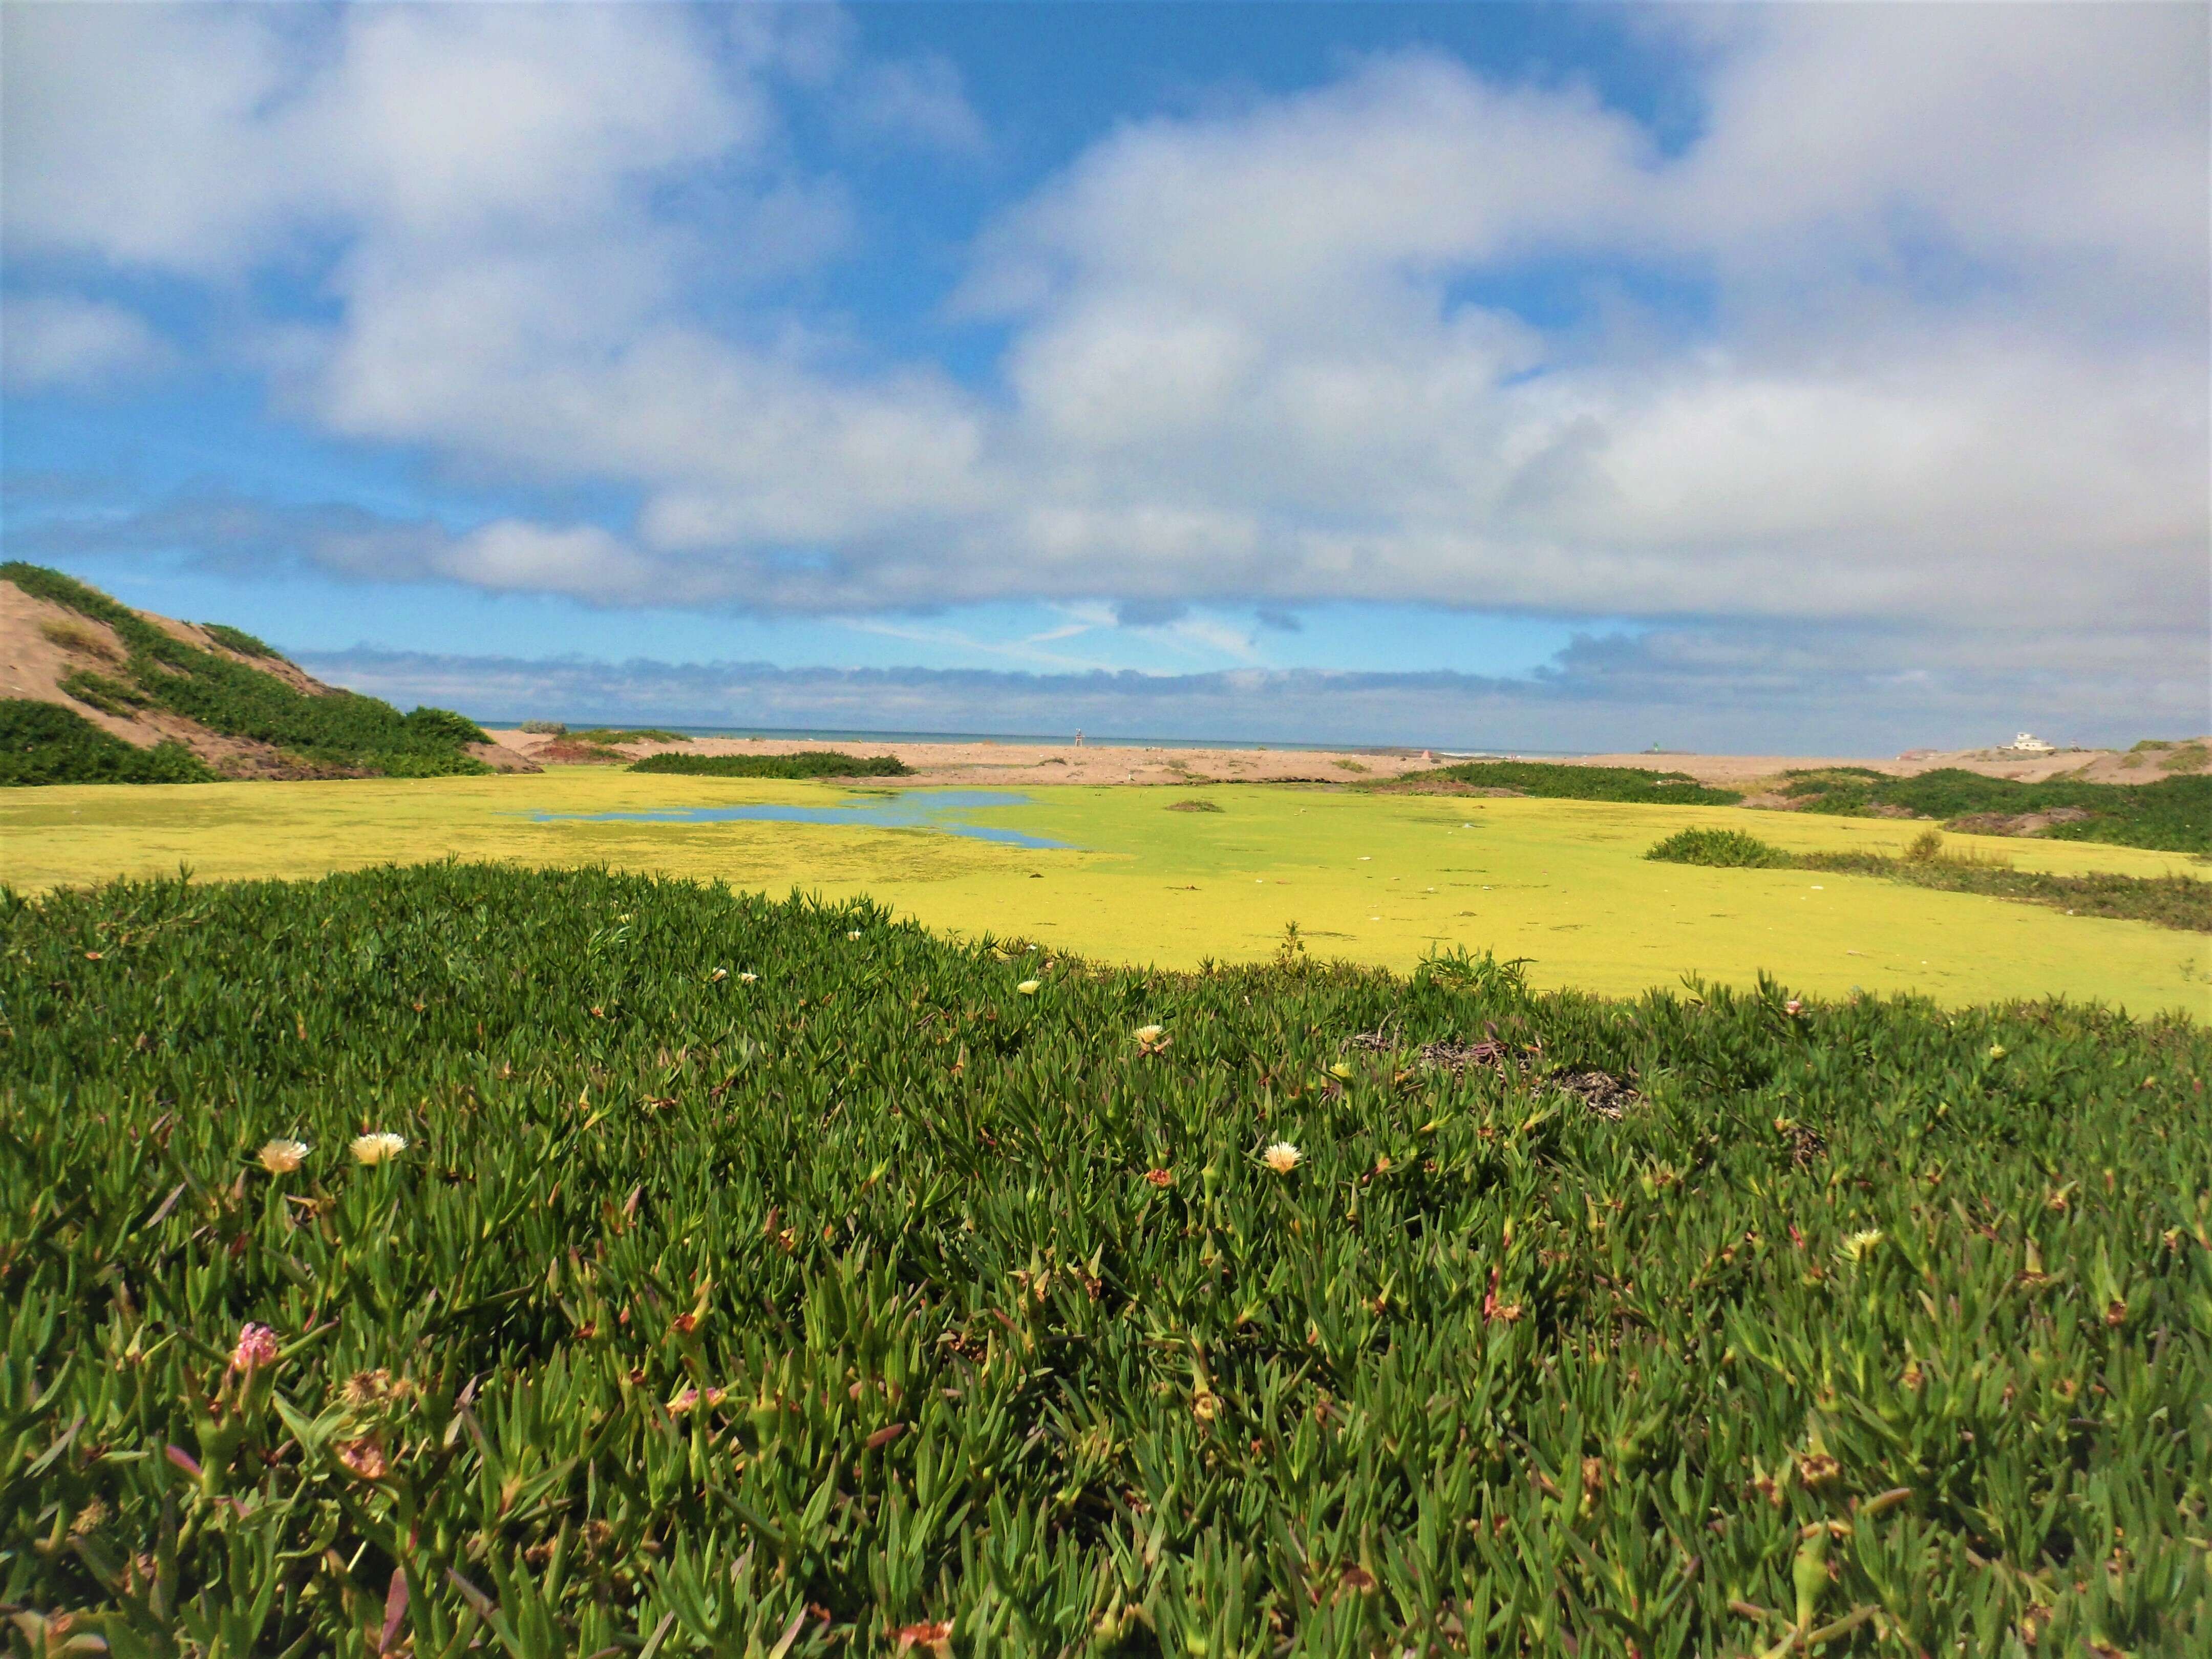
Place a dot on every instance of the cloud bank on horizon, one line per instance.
(1889, 359)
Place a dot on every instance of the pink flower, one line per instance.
(1792, 1008)
(257, 1346)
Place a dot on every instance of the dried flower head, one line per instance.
(281, 1156)
(1161, 1178)
(378, 1148)
(365, 1458)
(257, 1346)
(1282, 1157)
(367, 1387)
(934, 1634)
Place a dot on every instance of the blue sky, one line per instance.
(1778, 376)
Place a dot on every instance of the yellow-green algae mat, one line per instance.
(1383, 879)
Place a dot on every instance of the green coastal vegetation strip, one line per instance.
(2174, 900)
(805, 764)
(1552, 781)
(738, 1277)
(45, 743)
(2173, 813)
(613, 734)
(238, 640)
(340, 732)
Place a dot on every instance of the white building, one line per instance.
(2028, 744)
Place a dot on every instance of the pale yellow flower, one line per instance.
(281, 1156)
(1149, 1036)
(855, 933)
(378, 1148)
(1856, 1247)
(1997, 1051)
(747, 978)
(1282, 1157)
(1341, 1072)
(1030, 987)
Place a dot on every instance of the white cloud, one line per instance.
(1945, 356)
(919, 99)
(48, 341)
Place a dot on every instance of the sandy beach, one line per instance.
(987, 761)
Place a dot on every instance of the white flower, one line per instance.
(718, 977)
(281, 1156)
(855, 933)
(1282, 1157)
(1148, 1037)
(378, 1148)
(1030, 987)
(747, 978)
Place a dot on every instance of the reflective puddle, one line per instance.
(912, 809)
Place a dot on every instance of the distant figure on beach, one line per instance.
(1079, 737)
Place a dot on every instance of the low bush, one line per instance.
(238, 640)
(2169, 901)
(46, 742)
(466, 1259)
(544, 728)
(1556, 780)
(2174, 814)
(1726, 849)
(806, 763)
(607, 734)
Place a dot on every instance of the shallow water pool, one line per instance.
(907, 809)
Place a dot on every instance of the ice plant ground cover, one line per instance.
(705, 1313)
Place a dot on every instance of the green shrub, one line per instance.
(46, 742)
(443, 725)
(2171, 901)
(715, 1315)
(1925, 847)
(340, 732)
(1556, 780)
(1726, 849)
(609, 734)
(806, 763)
(2174, 813)
(240, 640)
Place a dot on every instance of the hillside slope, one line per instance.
(93, 691)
